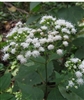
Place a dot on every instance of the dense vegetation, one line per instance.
(41, 51)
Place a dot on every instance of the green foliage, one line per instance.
(69, 95)
(5, 81)
(7, 96)
(33, 93)
(79, 91)
(79, 43)
(34, 6)
(42, 77)
(55, 95)
(71, 14)
(67, 11)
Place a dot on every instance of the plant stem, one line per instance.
(46, 80)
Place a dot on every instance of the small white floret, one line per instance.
(50, 47)
(59, 51)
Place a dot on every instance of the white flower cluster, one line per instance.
(52, 35)
(76, 69)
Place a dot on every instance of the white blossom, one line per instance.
(65, 43)
(44, 27)
(80, 81)
(5, 49)
(49, 40)
(50, 47)
(42, 40)
(35, 53)
(54, 32)
(20, 30)
(66, 37)
(28, 54)
(65, 30)
(33, 31)
(19, 57)
(59, 51)
(24, 45)
(41, 49)
(47, 17)
(78, 74)
(6, 56)
(74, 60)
(41, 33)
(71, 84)
(12, 43)
(37, 45)
(57, 37)
(35, 40)
(73, 30)
(13, 51)
(60, 22)
(81, 66)
(23, 60)
(28, 40)
(31, 35)
(19, 23)
(69, 25)
(57, 27)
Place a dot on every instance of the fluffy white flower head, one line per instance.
(59, 51)
(80, 81)
(44, 27)
(41, 49)
(66, 37)
(65, 43)
(23, 60)
(78, 74)
(50, 47)
(71, 84)
(13, 51)
(35, 53)
(28, 54)
(74, 60)
(24, 45)
(5, 49)
(19, 57)
(6, 56)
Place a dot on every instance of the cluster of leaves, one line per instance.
(32, 80)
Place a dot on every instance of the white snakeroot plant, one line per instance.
(38, 40)
(77, 72)
(51, 36)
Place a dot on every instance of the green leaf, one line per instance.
(5, 81)
(58, 77)
(69, 95)
(57, 66)
(32, 78)
(72, 14)
(33, 5)
(55, 95)
(78, 41)
(31, 92)
(42, 69)
(33, 18)
(6, 96)
(80, 53)
(54, 56)
(79, 91)
(28, 75)
(1, 66)
(38, 59)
